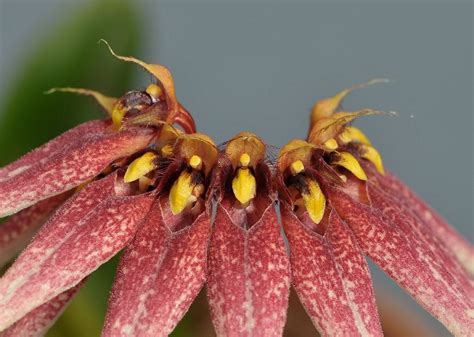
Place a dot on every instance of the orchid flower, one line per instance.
(188, 213)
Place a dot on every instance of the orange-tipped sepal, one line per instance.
(161, 73)
(106, 102)
(327, 106)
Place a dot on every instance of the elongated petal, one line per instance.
(70, 168)
(395, 253)
(331, 278)
(37, 322)
(41, 154)
(426, 244)
(249, 276)
(82, 235)
(18, 230)
(160, 274)
(459, 246)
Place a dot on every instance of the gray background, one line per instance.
(259, 67)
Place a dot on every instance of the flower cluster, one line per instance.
(189, 213)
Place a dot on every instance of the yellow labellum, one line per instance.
(140, 166)
(106, 102)
(350, 163)
(314, 200)
(331, 144)
(244, 185)
(370, 153)
(353, 134)
(181, 193)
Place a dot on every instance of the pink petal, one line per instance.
(69, 168)
(427, 244)
(396, 253)
(41, 154)
(331, 278)
(160, 274)
(88, 230)
(38, 321)
(18, 230)
(249, 274)
(459, 246)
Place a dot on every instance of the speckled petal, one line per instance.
(38, 321)
(249, 275)
(395, 252)
(17, 231)
(41, 154)
(85, 232)
(428, 245)
(69, 168)
(331, 278)
(459, 246)
(160, 274)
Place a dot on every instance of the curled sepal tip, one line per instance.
(329, 127)
(327, 106)
(160, 72)
(106, 102)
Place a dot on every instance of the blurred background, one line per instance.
(258, 67)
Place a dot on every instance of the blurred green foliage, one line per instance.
(69, 55)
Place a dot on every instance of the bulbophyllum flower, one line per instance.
(338, 204)
(249, 275)
(188, 213)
